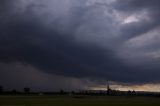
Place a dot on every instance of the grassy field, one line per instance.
(72, 101)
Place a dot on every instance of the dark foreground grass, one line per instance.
(77, 101)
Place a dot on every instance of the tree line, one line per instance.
(107, 92)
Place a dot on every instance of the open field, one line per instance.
(77, 101)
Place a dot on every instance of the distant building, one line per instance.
(108, 90)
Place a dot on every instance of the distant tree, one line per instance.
(27, 90)
(62, 92)
(133, 92)
(72, 92)
(129, 93)
(1, 89)
(14, 91)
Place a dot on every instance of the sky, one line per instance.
(80, 44)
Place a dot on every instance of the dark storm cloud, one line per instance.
(25, 40)
(53, 52)
(74, 39)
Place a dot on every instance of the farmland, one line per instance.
(45, 100)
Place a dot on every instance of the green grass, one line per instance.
(70, 101)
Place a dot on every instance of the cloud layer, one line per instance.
(91, 39)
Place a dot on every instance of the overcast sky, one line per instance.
(75, 44)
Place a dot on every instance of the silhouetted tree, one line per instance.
(72, 92)
(129, 93)
(133, 92)
(62, 92)
(1, 89)
(14, 91)
(27, 90)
